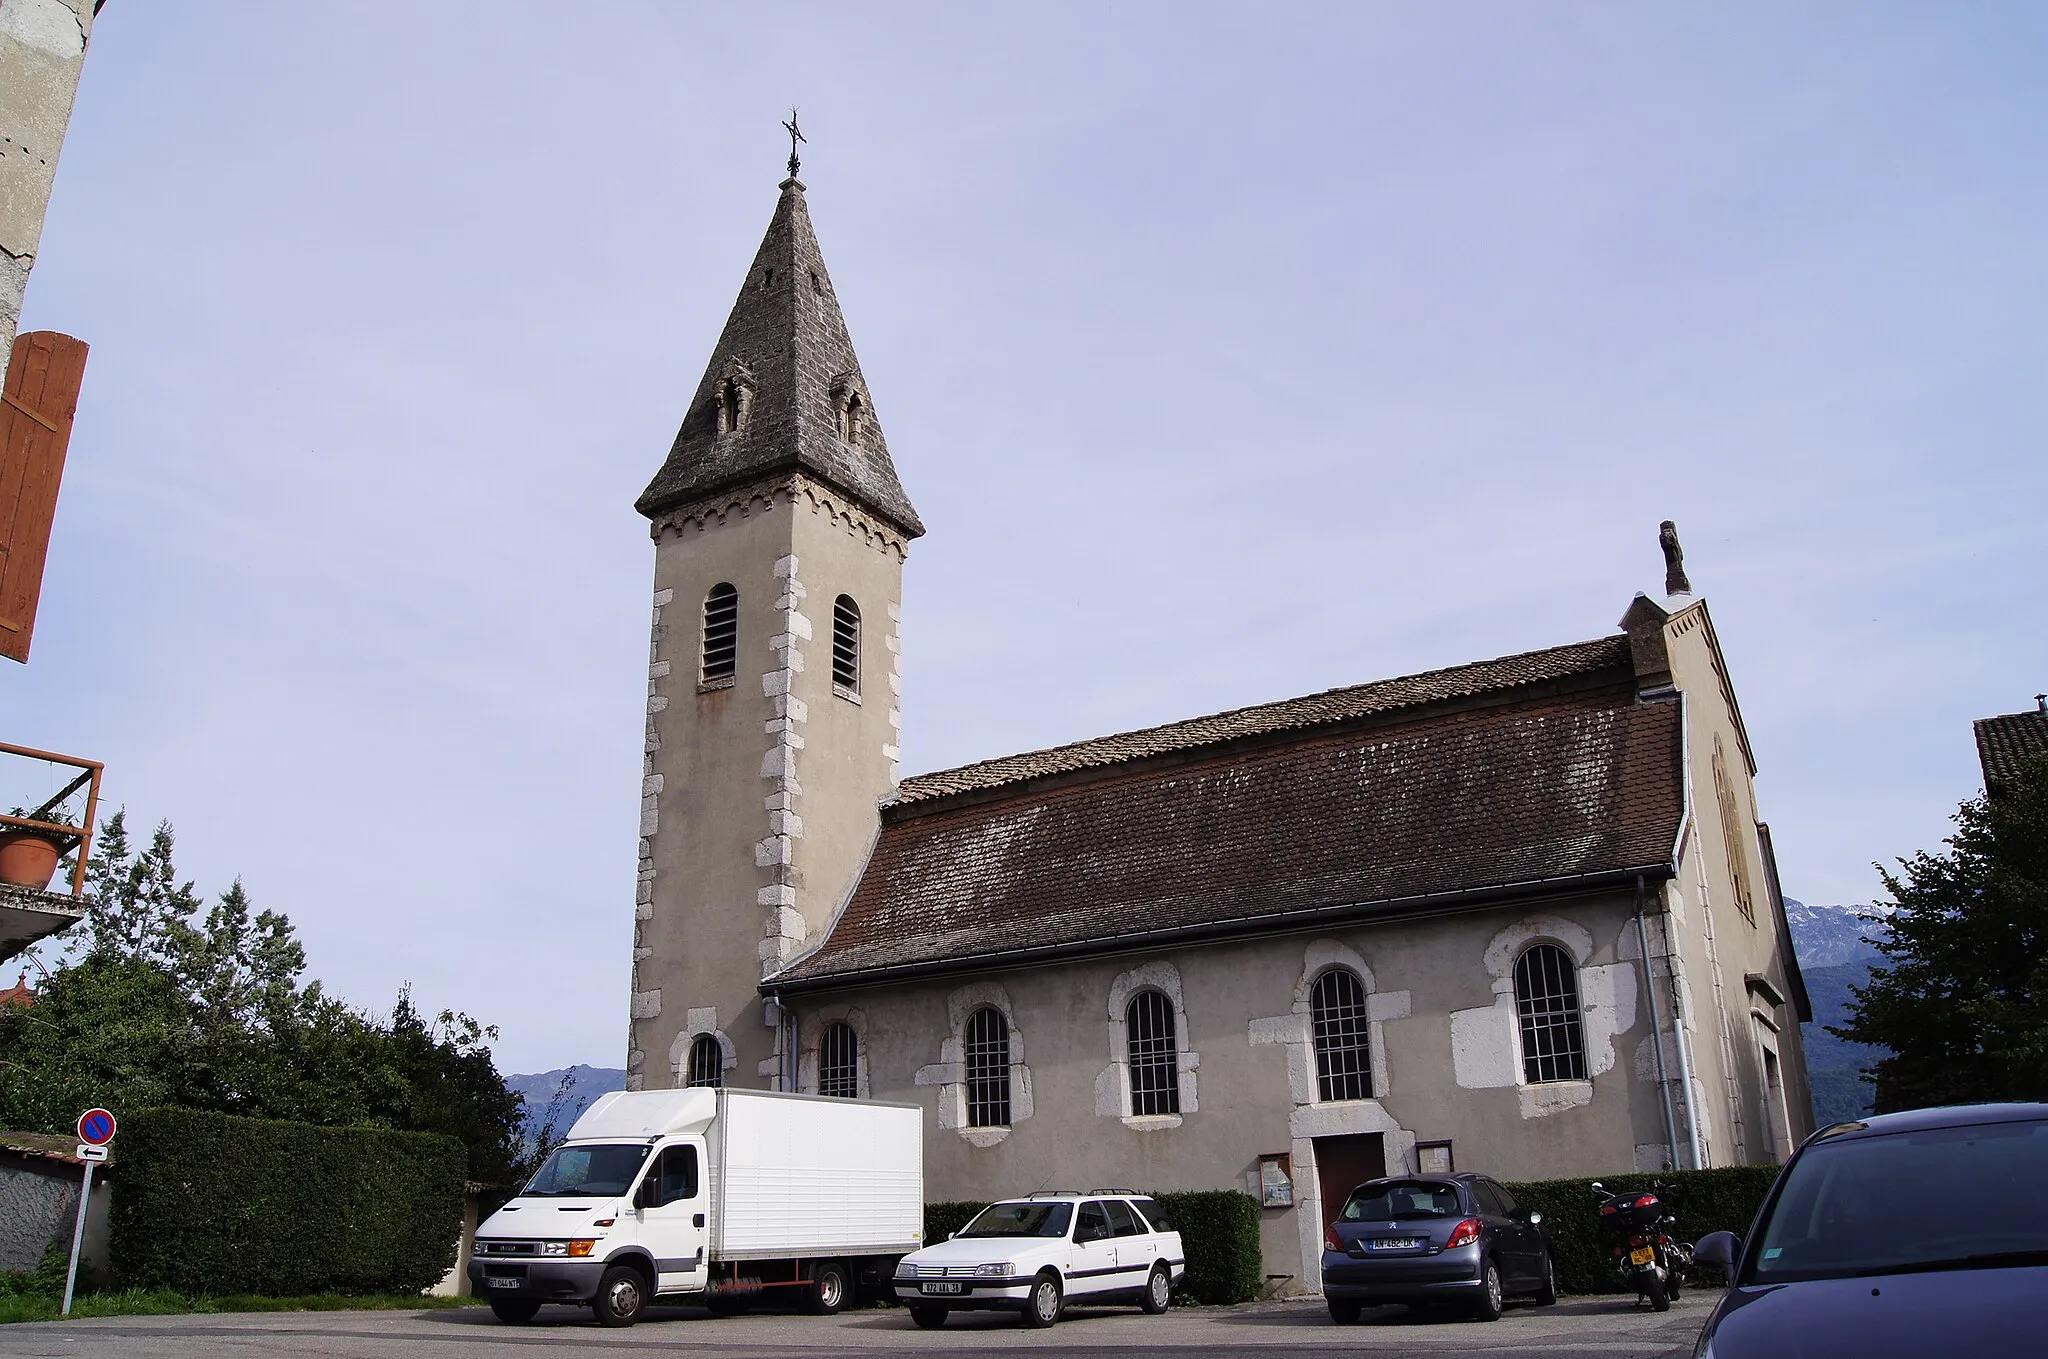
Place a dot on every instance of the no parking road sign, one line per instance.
(95, 1130)
(96, 1127)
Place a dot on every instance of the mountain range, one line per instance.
(1836, 949)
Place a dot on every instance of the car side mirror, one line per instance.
(1535, 1219)
(1719, 1249)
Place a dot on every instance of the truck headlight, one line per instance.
(1001, 1269)
(554, 1248)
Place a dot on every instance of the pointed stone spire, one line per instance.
(783, 391)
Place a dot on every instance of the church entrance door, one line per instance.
(1344, 1163)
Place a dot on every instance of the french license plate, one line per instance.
(1642, 1255)
(1393, 1243)
(500, 1281)
(938, 1288)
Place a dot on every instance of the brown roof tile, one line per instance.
(1551, 787)
(1332, 705)
(2005, 743)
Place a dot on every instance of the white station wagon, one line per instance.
(1035, 1255)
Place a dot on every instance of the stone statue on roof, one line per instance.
(1675, 582)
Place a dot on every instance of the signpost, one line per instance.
(95, 1131)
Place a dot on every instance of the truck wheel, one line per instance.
(514, 1310)
(927, 1318)
(829, 1288)
(1488, 1306)
(1158, 1294)
(621, 1296)
(1042, 1308)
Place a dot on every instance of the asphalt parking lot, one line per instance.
(1606, 1327)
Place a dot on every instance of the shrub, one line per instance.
(1702, 1200)
(210, 1204)
(1219, 1234)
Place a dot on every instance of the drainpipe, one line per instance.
(1679, 1045)
(1656, 1026)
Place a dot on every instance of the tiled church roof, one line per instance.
(2005, 743)
(1499, 779)
(1332, 705)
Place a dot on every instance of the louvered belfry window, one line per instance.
(721, 631)
(1547, 1002)
(988, 1069)
(846, 644)
(707, 1062)
(1154, 1056)
(1342, 1036)
(839, 1062)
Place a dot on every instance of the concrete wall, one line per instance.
(42, 51)
(759, 800)
(39, 1206)
(1444, 1040)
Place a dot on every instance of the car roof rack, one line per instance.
(1055, 1194)
(1132, 1193)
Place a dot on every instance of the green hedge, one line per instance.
(209, 1204)
(1219, 1232)
(1702, 1200)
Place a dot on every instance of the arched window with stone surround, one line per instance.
(1153, 1055)
(707, 1062)
(1547, 1005)
(839, 1061)
(721, 632)
(1343, 1037)
(986, 1057)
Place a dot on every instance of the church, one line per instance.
(1518, 916)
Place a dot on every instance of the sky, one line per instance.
(1229, 353)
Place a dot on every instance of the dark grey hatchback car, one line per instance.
(1904, 1234)
(1452, 1241)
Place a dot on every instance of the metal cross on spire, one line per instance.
(795, 135)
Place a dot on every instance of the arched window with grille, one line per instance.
(1153, 1055)
(707, 1062)
(846, 644)
(839, 1061)
(1547, 1003)
(721, 632)
(988, 1068)
(1343, 1039)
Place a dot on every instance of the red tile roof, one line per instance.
(1543, 783)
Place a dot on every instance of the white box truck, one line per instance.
(709, 1196)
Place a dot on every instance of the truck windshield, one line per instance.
(593, 1170)
(1021, 1219)
(1974, 1197)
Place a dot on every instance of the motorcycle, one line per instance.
(1637, 1229)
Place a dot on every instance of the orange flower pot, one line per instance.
(27, 859)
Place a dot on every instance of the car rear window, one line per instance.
(1402, 1199)
(1123, 1219)
(1154, 1214)
(1943, 1198)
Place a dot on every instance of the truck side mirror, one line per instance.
(1719, 1249)
(644, 1196)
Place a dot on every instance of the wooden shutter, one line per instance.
(35, 428)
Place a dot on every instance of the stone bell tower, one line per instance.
(780, 531)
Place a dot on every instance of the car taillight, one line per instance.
(1464, 1234)
(1331, 1240)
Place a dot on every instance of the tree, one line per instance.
(1963, 1005)
(169, 1007)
